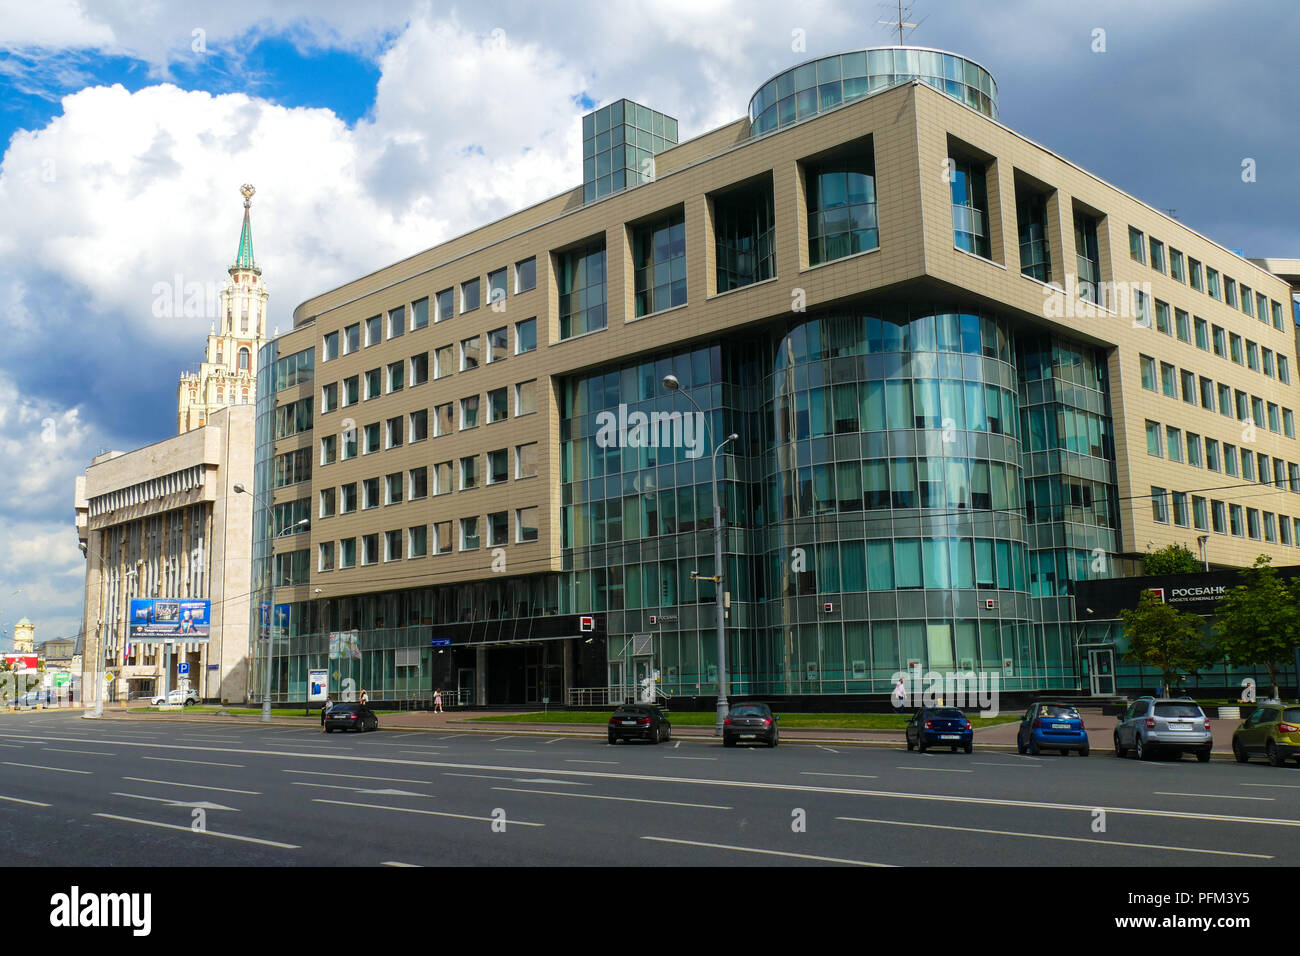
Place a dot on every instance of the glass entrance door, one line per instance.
(464, 687)
(1101, 672)
(642, 674)
(617, 682)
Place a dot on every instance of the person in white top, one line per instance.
(899, 696)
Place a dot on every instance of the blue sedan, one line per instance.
(940, 727)
(1050, 726)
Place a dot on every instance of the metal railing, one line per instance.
(610, 696)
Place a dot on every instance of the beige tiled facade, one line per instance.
(911, 130)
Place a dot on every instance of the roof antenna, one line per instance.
(904, 11)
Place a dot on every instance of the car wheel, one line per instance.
(1119, 751)
(970, 747)
(1084, 751)
(1142, 752)
(1020, 746)
(1065, 751)
(1239, 751)
(771, 741)
(612, 740)
(1274, 758)
(954, 749)
(728, 741)
(920, 745)
(1203, 756)
(329, 730)
(1033, 747)
(910, 746)
(658, 736)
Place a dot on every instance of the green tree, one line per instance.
(1164, 638)
(1174, 559)
(1257, 621)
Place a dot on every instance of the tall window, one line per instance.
(841, 207)
(744, 229)
(243, 360)
(1031, 218)
(1087, 257)
(580, 275)
(659, 257)
(970, 207)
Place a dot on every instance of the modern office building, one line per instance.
(964, 374)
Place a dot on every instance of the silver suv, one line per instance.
(1153, 724)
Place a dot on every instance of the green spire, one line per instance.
(244, 258)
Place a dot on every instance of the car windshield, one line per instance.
(1178, 710)
(1057, 710)
(947, 712)
(749, 710)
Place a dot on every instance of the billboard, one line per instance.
(345, 645)
(23, 662)
(154, 620)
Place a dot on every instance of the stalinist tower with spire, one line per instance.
(228, 374)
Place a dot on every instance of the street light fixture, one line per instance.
(671, 383)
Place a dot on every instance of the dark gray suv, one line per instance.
(1155, 724)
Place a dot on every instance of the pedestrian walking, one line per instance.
(437, 701)
(899, 696)
(365, 698)
(324, 711)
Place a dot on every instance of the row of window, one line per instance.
(413, 485)
(400, 320)
(1231, 403)
(413, 542)
(1226, 345)
(415, 370)
(1254, 466)
(1223, 518)
(1235, 294)
(413, 426)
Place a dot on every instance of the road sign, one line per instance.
(61, 679)
(108, 677)
(183, 668)
(440, 642)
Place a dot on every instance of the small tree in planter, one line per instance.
(1173, 559)
(1256, 622)
(1164, 638)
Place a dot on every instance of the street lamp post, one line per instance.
(98, 681)
(266, 685)
(671, 383)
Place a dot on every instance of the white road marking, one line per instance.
(597, 796)
(1283, 786)
(1048, 836)
(30, 803)
(192, 786)
(13, 746)
(177, 803)
(36, 766)
(750, 849)
(211, 833)
(832, 750)
(94, 753)
(814, 773)
(492, 776)
(507, 750)
(432, 813)
(414, 733)
(335, 786)
(677, 744)
(404, 865)
(554, 739)
(1212, 796)
(936, 769)
(495, 739)
(353, 776)
(421, 752)
(206, 763)
(611, 762)
(667, 757)
(1026, 766)
(451, 737)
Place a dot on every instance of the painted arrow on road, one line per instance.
(196, 805)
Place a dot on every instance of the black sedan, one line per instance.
(639, 722)
(350, 717)
(750, 722)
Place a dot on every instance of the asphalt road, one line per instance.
(77, 792)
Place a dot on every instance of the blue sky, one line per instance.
(373, 131)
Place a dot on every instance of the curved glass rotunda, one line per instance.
(827, 82)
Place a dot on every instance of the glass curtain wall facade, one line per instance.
(823, 84)
(874, 503)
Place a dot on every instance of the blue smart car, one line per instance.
(940, 727)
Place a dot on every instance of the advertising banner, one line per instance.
(23, 662)
(345, 645)
(317, 684)
(155, 620)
